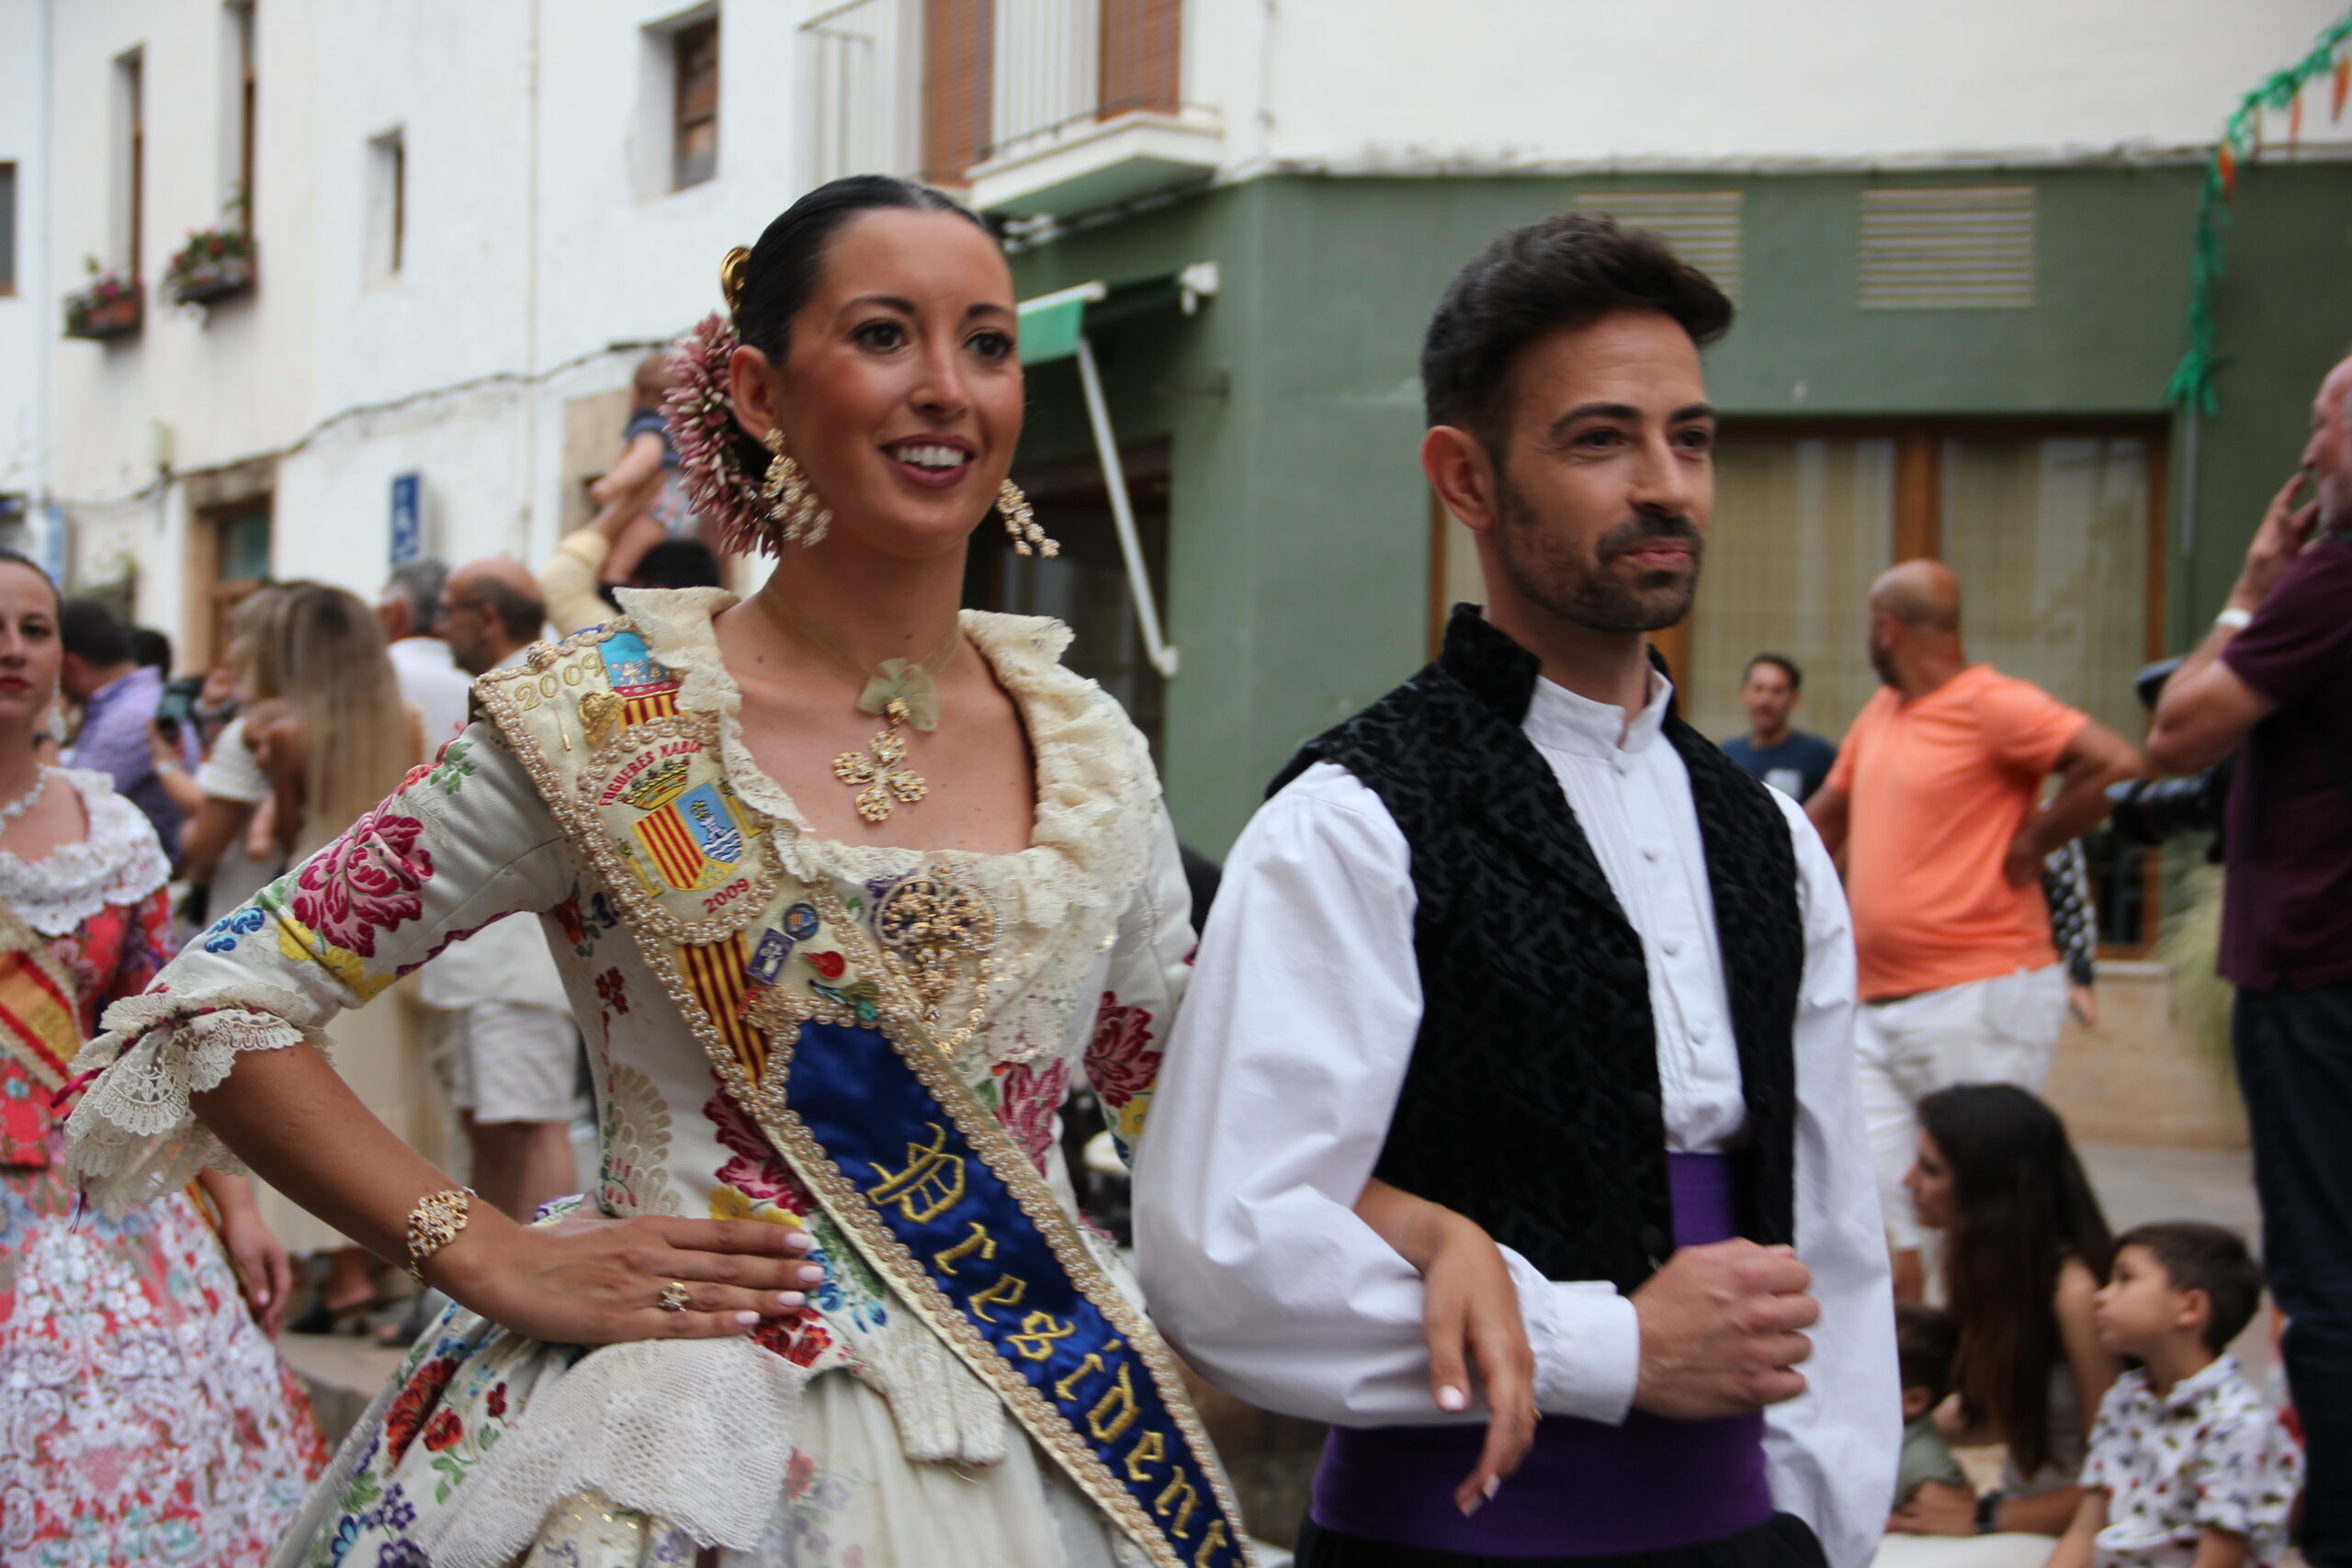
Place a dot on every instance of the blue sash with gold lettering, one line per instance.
(820, 1043)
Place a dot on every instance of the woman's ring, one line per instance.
(673, 1296)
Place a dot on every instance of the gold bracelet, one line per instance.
(434, 1223)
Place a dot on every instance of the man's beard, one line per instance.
(1543, 572)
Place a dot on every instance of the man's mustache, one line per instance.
(1648, 528)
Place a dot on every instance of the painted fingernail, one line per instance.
(1450, 1398)
(747, 1320)
(1494, 1485)
(791, 1301)
(1473, 1506)
(810, 1274)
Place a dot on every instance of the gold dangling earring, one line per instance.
(785, 495)
(1022, 524)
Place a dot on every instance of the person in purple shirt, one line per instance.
(2273, 682)
(118, 697)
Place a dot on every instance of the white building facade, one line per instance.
(466, 223)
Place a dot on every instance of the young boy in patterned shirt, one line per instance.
(2189, 1466)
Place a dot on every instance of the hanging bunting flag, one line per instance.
(2330, 55)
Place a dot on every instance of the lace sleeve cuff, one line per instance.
(133, 1136)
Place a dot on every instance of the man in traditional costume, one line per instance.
(1517, 942)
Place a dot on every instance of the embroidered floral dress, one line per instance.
(144, 1418)
(847, 1436)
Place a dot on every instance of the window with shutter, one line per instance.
(695, 157)
(958, 67)
(1142, 56)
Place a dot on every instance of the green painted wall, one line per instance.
(1299, 534)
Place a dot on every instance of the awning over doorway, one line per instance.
(1054, 327)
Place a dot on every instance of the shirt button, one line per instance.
(1623, 763)
(1699, 1032)
(1652, 1240)
(1673, 946)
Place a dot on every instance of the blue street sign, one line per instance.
(408, 520)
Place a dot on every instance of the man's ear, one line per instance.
(1463, 475)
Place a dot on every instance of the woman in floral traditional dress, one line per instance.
(145, 1415)
(756, 1393)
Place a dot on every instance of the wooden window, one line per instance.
(694, 104)
(134, 155)
(241, 17)
(229, 557)
(958, 87)
(1143, 55)
(7, 229)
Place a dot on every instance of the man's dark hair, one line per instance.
(90, 628)
(677, 563)
(2198, 1256)
(1787, 667)
(522, 614)
(1926, 1340)
(1566, 271)
(150, 648)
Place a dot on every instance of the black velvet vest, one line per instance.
(1531, 1102)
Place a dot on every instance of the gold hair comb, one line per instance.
(732, 269)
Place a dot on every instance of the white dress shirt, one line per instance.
(431, 682)
(1283, 1071)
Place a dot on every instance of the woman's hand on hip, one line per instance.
(598, 1281)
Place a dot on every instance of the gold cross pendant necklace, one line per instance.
(902, 692)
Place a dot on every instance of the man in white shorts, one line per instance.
(1933, 800)
(509, 1049)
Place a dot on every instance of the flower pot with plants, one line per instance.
(213, 265)
(111, 305)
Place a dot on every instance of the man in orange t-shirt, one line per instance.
(1934, 804)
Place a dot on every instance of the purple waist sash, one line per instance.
(1587, 1489)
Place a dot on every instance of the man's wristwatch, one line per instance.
(1988, 1512)
(2237, 620)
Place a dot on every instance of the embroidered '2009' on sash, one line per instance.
(891, 1138)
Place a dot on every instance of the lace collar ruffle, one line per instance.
(119, 861)
(1096, 787)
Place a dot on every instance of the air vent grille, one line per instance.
(1943, 248)
(1701, 225)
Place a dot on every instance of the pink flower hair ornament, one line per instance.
(701, 418)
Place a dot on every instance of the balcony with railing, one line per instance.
(862, 90)
(1085, 107)
(1033, 107)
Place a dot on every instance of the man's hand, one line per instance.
(2021, 867)
(2286, 529)
(1936, 1508)
(1721, 1331)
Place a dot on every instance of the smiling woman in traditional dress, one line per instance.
(144, 1416)
(846, 886)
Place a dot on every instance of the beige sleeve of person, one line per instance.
(568, 581)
